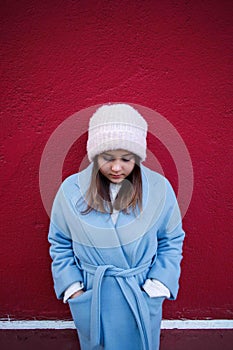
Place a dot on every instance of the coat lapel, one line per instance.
(98, 230)
(132, 227)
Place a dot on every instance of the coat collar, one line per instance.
(129, 227)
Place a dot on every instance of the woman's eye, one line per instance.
(127, 159)
(108, 159)
(111, 159)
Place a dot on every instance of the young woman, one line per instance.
(116, 238)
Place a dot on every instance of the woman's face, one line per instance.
(116, 165)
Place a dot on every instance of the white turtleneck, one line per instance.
(114, 189)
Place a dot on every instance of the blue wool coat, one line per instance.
(114, 261)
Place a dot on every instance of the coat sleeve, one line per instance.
(170, 236)
(65, 266)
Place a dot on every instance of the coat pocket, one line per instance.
(80, 308)
(154, 304)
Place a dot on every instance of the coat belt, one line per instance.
(130, 290)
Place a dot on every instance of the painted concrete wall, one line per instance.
(59, 57)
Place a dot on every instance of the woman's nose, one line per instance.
(116, 166)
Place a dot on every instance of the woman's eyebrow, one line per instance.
(107, 154)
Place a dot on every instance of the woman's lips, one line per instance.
(116, 176)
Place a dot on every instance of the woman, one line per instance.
(116, 237)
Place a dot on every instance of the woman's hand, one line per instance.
(76, 294)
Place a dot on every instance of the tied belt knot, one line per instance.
(130, 290)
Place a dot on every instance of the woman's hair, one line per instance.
(129, 195)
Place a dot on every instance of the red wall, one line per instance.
(59, 57)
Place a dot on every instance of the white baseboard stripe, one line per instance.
(166, 324)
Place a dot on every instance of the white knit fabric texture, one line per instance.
(117, 126)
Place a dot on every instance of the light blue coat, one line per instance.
(113, 262)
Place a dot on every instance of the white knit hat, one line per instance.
(117, 126)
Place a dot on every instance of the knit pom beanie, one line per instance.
(116, 126)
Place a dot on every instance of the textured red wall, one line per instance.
(59, 57)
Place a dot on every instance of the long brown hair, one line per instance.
(129, 195)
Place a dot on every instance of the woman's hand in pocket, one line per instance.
(77, 294)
